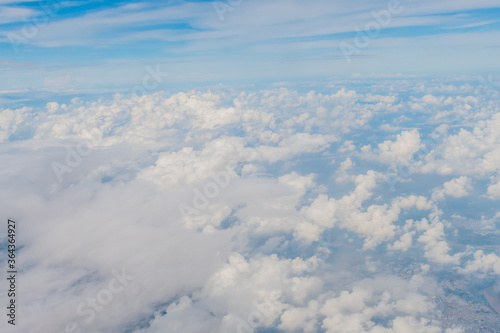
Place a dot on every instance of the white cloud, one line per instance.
(14, 14)
(494, 190)
(436, 248)
(299, 143)
(399, 151)
(10, 120)
(483, 263)
(374, 223)
(259, 248)
(457, 188)
(468, 153)
(342, 175)
(300, 318)
(404, 243)
(353, 311)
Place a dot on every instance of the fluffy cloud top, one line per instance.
(219, 212)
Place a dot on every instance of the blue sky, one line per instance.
(88, 45)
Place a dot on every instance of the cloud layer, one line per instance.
(231, 211)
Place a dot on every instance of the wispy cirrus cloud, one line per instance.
(309, 33)
(14, 14)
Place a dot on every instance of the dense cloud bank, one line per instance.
(237, 211)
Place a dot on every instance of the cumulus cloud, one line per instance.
(436, 247)
(483, 263)
(457, 188)
(375, 223)
(469, 152)
(275, 234)
(494, 190)
(399, 151)
(355, 310)
(341, 174)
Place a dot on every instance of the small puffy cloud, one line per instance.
(436, 247)
(342, 175)
(189, 166)
(10, 120)
(300, 143)
(494, 190)
(474, 152)
(430, 99)
(308, 232)
(406, 144)
(404, 243)
(52, 107)
(297, 182)
(395, 152)
(355, 310)
(483, 263)
(347, 146)
(457, 188)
